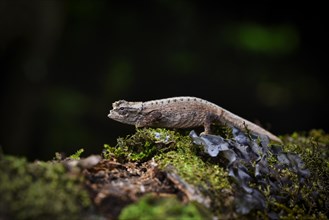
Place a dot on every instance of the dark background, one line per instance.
(63, 63)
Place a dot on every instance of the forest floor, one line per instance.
(161, 174)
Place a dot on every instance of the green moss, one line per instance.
(43, 190)
(150, 207)
(143, 145)
(307, 196)
(195, 170)
(40, 190)
(76, 155)
(170, 148)
(210, 178)
(313, 147)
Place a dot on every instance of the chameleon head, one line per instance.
(126, 112)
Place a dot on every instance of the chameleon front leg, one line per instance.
(149, 119)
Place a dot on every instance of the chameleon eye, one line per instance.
(122, 110)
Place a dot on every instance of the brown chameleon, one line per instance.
(181, 112)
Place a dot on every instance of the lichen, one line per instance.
(282, 176)
(39, 190)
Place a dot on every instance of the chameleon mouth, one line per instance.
(110, 114)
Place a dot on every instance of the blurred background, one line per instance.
(62, 64)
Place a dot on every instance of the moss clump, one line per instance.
(172, 149)
(313, 147)
(161, 208)
(40, 190)
(198, 170)
(194, 169)
(143, 145)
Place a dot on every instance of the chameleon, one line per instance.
(181, 112)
